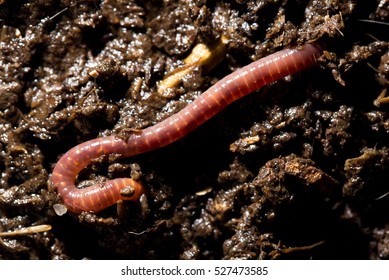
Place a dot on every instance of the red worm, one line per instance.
(101, 195)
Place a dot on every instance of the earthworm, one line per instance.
(232, 87)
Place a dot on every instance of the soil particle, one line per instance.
(295, 170)
(365, 172)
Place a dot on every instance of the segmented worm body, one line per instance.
(216, 98)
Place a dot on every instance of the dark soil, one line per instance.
(296, 170)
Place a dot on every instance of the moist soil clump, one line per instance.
(295, 170)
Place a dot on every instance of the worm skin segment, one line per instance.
(237, 84)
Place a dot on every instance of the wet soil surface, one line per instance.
(296, 170)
